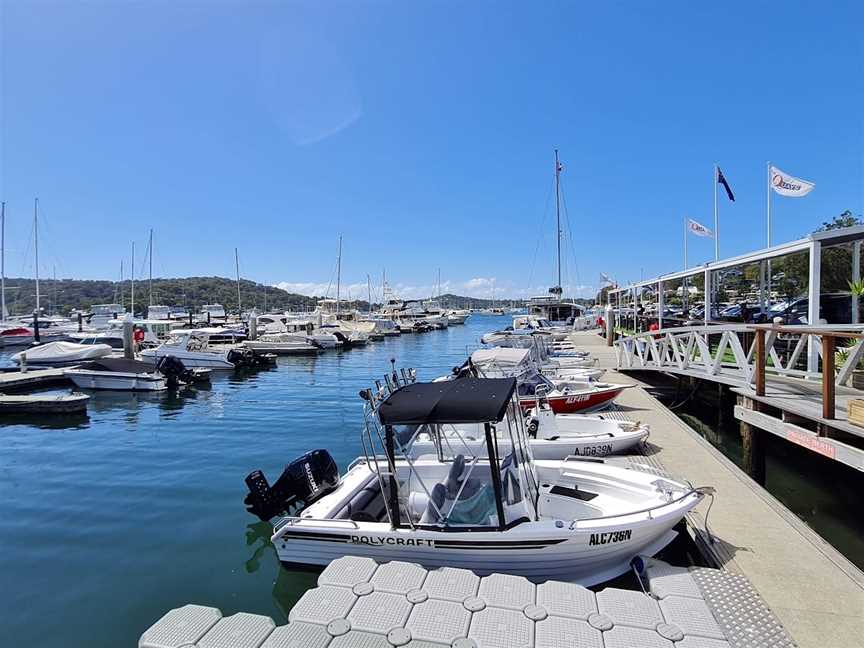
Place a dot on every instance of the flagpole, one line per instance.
(685, 242)
(768, 211)
(716, 218)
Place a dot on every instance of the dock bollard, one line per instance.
(23, 364)
(253, 324)
(610, 329)
(128, 341)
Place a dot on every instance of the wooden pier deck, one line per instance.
(31, 379)
(814, 590)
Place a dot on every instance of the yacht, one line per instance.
(158, 312)
(213, 313)
(193, 347)
(499, 510)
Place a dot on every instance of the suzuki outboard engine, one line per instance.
(305, 479)
(174, 370)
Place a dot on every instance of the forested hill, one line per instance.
(190, 292)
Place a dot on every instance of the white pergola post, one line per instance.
(660, 304)
(814, 296)
(856, 276)
(707, 291)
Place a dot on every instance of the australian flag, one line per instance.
(721, 179)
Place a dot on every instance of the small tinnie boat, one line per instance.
(567, 393)
(569, 397)
(573, 519)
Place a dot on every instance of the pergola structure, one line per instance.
(623, 300)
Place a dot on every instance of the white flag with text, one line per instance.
(699, 229)
(787, 185)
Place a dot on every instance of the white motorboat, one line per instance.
(456, 317)
(551, 436)
(573, 519)
(118, 374)
(158, 312)
(566, 395)
(192, 347)
(122, 374)
(61, 353)
(283, 344)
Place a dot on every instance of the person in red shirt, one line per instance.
(138, 338)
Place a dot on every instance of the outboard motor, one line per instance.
(241, 358)
(305, 479)
(174, 370)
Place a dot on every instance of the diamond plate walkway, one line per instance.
(815, 592)
(363, 604)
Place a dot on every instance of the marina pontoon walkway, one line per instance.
(816, 592)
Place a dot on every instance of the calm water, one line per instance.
(108, 521)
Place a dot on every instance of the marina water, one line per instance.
(109, 520)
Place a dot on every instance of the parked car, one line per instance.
(836, 308)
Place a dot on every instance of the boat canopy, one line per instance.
(463, 400)
(120, 365)
(500, 358)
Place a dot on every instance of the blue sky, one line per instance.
(422, 132)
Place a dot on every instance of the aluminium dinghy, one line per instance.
(571, 519)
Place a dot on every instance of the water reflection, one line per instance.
(289, 584)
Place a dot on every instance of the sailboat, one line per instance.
(155, 311)
(350, 323)
(552, 307)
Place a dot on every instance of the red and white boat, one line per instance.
(567, 398)
(16, 336)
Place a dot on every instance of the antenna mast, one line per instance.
(150, 247)
(3, 262)
(237, 269)
(338, 273)
(559, 289)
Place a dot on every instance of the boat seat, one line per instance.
(439, 491)
(367, 500)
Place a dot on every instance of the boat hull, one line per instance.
(190, 359)
(573, 403)
(573, 555)
(116, 381)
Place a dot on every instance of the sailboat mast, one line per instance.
(121, 284)
(338, 273)
(36, 239)
(150, 247)
(3, 262)
(558, 216)
(369, 288)
(237, 269)
(54, 302)
(132, 278)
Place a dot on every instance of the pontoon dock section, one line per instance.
(363, 604)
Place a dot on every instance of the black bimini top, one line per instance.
(463, 400)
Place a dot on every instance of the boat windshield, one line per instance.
(459, 486)
(529, 385)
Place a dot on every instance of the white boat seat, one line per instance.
(430, 516)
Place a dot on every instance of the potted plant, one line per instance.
(842, 354)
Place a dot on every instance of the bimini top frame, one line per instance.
(465, 400)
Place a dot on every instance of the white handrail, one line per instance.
(689, 349)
